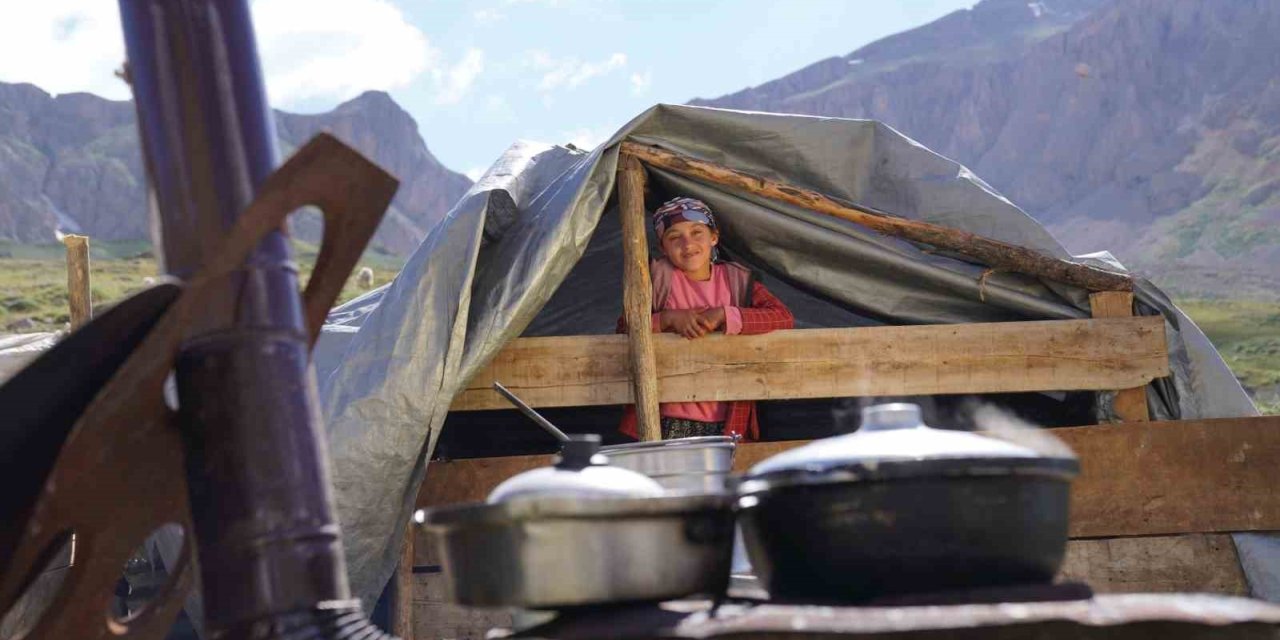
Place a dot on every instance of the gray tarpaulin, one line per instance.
(392, 360)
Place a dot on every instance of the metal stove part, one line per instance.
(256, 465)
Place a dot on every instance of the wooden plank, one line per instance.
(1189, 563)
(1057, 355)
(1137, 479)
(637, 297)
(999, 255)
(1129, 404)
(79, 297)
(1176, 477)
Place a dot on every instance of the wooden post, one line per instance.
(994, 253)
(637, 296)
(78, 296)
(1130, 404)
(402, 603)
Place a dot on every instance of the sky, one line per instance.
(477, 75)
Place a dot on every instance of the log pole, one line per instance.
(78, 295)
(637, 296)
(1130, 404)
(993, 253)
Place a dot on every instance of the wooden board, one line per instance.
(1190, 563)
(1176, 477)
(1138, 479)
(1058, 355)
(1130, 404)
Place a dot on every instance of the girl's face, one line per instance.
(688, 246)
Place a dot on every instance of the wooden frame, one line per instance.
(1055, 355)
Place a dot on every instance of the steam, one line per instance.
(992, 421)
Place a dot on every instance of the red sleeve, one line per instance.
(766, 313)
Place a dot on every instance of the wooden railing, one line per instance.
(1058, 355)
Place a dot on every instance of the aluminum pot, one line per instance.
(681, 465)
(555, 537)
(899, 507)
(686, 465)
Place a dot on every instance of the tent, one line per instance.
(532, 249)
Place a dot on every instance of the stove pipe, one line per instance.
(269, 546)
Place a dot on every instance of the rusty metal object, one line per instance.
(120, 473)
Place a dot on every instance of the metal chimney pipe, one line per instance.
(268, 544)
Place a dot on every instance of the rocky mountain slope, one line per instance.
(72, 162)
(1147, 127)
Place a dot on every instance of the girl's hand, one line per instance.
(712, 319)
(686, 322)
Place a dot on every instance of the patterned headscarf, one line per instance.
(682, 210)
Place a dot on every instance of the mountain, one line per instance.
(72, 162)
(1147, 127)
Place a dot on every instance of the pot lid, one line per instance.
(895, 441)
(580, 472)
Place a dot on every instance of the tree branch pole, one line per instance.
(78, 293)
(637, 296)
(993, 253)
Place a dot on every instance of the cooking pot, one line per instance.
(679, 465)
(898, 507)
(583, 533)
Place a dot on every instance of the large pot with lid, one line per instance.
(899, 507)
(583, 532)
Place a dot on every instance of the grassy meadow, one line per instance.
(33, 279)
(33, 297)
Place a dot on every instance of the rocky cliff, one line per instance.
(1147, 127)
(72, 162)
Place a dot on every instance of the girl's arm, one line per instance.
(765, 314)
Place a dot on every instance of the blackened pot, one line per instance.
(904, 509)
(853, 541)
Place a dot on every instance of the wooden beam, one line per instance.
(1138, 479)
(994, 253)
(1055, 355)
(637, 297)
(79, 297)
(1129, 404)
(1188, 563)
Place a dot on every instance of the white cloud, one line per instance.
(570, 73)
(63, 46)
(489, 16)
(335, 49)
(452, 84)
(474, 173)
(640, 82)
(314, 52)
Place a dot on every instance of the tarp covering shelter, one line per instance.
(533, 249)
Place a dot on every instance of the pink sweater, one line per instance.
(694, 294)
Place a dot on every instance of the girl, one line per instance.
(695, 294)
